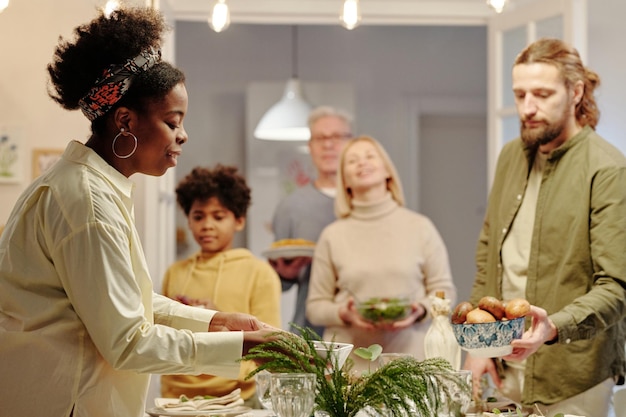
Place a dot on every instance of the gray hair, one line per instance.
(326, 111)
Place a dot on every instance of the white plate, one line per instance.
(288, 252)
(235, 411)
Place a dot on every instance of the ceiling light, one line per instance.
(497, 5)
(3, 5)
(220, 16)
(350, 16)
(110, 7)
(287, 119)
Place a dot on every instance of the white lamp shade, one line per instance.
(497, 5)
(220, 17)
(287, 119)
(350, 14)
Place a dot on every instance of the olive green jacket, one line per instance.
(577, 265)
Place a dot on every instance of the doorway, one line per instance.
(452, 184)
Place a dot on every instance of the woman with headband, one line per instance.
(80, 326)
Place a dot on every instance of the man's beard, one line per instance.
(541, 135)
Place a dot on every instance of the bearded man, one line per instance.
(555, 234)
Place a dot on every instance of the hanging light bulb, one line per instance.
(350, 14)
(3, 5)
(110, 7)
(497, 5)
(220, 16)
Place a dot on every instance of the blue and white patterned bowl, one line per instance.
(489, 340)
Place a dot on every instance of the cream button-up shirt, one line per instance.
(80, 326)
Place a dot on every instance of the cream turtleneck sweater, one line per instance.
(380, 250)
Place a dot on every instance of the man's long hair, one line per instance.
(567, 60)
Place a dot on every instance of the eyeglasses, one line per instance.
(334, 138)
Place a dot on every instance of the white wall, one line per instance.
(28, 34)
(607, 34)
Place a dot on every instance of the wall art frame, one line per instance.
(43, 159)
(10, 156)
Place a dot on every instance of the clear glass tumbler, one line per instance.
(293, 394)
(385, 358)
(460, 395)
(262, 381)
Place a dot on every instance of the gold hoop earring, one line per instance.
(124, 133)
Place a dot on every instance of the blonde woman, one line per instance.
(376, 248)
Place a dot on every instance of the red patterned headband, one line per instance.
(115, 82)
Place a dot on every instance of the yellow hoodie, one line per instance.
(235, 281)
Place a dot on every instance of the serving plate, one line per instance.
(228, 412)
(288, 252)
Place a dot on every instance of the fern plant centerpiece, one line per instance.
(404, 386)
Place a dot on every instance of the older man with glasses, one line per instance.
(304, 213)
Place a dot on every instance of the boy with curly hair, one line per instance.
(219, 276)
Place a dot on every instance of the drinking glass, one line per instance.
(460, 396)
(262, 381)
(293, 394)
(385, 358)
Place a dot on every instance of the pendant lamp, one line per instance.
(288, 118)
(350, 16)
(109, 7)
(220, 16)
(497, 5)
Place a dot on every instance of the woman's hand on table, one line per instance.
(254, 330)
(224, 322)
(268, 333)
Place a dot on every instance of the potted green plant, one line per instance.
(404, 386)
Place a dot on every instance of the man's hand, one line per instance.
(541, 331)
(289, 268)
(479, 367)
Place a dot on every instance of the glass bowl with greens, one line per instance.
(384, 309)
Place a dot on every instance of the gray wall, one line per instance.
(391, 68)
(387, 65)
(607, 35)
